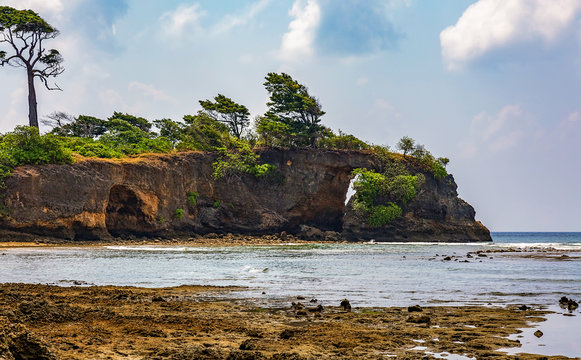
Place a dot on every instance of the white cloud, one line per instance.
(17, 112)
(495, 24)
(502, 131)
(231, 21)
(362, 81)
(111, 99)
(183, 19)
(150, 91)
(574, 117)
(42, 7)
(298, 42)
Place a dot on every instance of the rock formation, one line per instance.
(167, 195)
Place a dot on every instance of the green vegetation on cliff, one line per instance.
(380, 196)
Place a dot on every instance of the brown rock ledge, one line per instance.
(189, 322)
(175, 195)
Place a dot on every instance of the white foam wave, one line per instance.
(148, 248)
(427, 243)
(251, 270)
(539, 246)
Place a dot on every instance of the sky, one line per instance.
(494, 85)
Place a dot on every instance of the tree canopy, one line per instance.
(23, 31)
(224, 110)
(290, 103)
(406, 144)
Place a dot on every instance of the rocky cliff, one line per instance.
(165, 195)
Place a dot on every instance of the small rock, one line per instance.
(415, 308)
(345, 305)
(313, 300)
(447, 258)
(564, 300)
(300, 297)
(297, 306)
(538, 333)
(287, 334)
(523, 307)
(319, 308)
(419, 319)
(249, 344)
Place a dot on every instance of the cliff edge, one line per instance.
(167, 195)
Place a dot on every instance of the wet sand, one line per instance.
(194, 322)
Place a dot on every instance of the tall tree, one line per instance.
(291, 102)
(23, 33)
(406, 144)
(224, 110)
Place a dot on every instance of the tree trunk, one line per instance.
(32, 108)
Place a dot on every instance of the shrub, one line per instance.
(179, 214)
(192, 198)
(216, 204)
(91, 148)
(381, 215)
(342, 141)
(25, 146)
(232, 163)
(380, 197)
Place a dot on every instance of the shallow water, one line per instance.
(560, 336)
(389, 274)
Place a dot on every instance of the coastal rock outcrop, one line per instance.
(167, 195)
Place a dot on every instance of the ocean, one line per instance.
(547, 266)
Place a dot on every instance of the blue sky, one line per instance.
(492, 84)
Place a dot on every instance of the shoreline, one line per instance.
(195, 322)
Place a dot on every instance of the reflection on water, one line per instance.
(560, 336)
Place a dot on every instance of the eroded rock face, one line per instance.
(151, 196)
(436, 214)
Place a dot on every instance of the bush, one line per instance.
(241, 160)
(381, 215)
(179, 214)
(380, 197)
(25, 146)
(91, 148)
(342, 141)
(192, 198)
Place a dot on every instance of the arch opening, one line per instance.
(124, 214)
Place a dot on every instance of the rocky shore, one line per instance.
(176, 195)
(193, 322)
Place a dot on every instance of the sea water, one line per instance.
(544, 267)
(368, 274)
